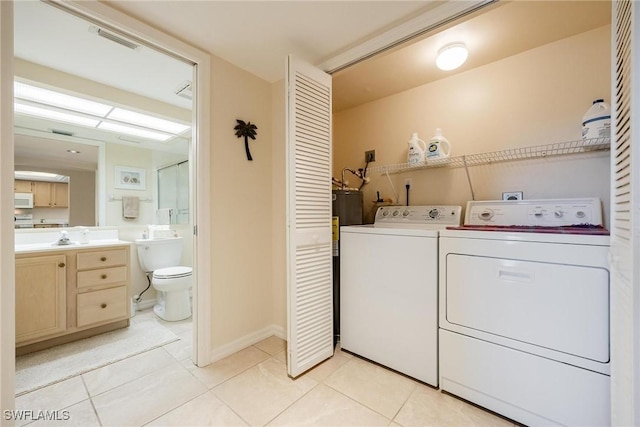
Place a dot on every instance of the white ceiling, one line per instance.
(258, 35)
(51, 37)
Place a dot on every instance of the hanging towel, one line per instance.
(163, 216)
(130, 207)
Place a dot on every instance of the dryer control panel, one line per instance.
(436, 215)
(540, 213)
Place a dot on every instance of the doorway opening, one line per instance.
(119, 147)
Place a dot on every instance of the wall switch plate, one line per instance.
(512, 195)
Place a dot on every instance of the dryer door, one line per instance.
(556, 306)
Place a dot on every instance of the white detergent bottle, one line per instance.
(438, 147)
(596, 123)
(417, 149)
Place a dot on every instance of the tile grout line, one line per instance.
(177, 407)
(355, 358)
(93, 406)
(295, 401)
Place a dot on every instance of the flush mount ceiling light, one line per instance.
(73, 151)
(452, 56)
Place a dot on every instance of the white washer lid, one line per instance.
(172, 272)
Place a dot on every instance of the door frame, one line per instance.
(199, 156)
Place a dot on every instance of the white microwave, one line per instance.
(23, 200)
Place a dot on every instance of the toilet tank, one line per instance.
(159, 253)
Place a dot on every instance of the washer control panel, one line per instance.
(542, 212)
(436, 215)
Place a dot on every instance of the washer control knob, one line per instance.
(558, 214)
(395, 213)
(405, 212)
(434, 213)
(580, 214)
(385, 213)
(486, 215)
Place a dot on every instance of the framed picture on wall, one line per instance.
(128, 178)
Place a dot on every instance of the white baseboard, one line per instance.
(279, 332)
(225, 350)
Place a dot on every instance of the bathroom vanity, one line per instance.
(65, 293)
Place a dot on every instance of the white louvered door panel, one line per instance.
(309, 250)
(625, 221)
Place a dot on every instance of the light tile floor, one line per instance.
(162, 387)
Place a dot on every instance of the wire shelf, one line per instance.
(538, 151)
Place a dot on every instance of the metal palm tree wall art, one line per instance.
(246, 130)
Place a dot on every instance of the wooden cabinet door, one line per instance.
(50, 194)
(60, 195)
(41, 194)
(20, 186)
(41, 297)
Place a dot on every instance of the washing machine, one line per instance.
(524, 311)
(389, 288)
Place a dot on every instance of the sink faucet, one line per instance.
(64, 238)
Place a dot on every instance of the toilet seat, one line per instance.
(172, 272)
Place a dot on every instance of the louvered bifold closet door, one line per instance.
(309, 269)
(625, 168)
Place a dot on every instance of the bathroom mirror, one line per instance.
(62, 53)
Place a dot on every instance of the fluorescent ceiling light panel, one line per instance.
(35, 174)
(127, 130)
(57, 99)
(147, 121)
(54, 115)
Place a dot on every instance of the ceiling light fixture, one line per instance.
(146, 120)
(452, 56)
(57, 99)
(48, 104)
(54, 115)
(128, 130)
(73, 151)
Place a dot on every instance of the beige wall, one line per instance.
(139, 158)
(537, 97)
(241, 204)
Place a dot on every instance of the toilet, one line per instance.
(161, 258)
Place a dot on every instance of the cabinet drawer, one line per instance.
(99, 259)
(101, 306)
(102, 276)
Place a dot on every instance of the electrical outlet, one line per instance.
(512, 195)
(370, 156)
(407, 182)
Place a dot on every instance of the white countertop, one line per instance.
(43, 240)
(51, 247)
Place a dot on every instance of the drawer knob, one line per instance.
(104, 276)
(104, 258)
(103, 305)
(62, 264)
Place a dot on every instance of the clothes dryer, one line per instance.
(524, 311)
